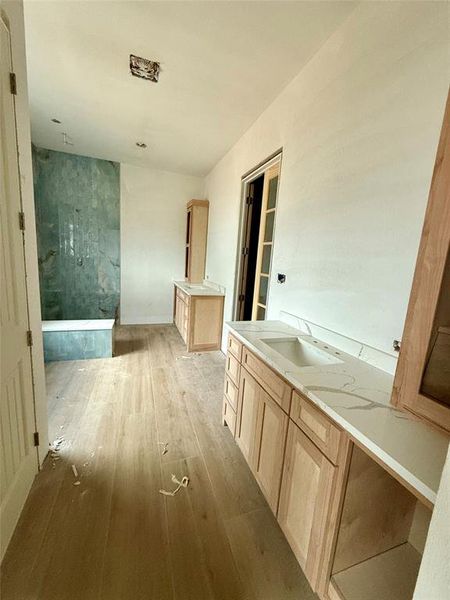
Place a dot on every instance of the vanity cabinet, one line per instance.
(298, 478)
(355, 529)
(199, 319)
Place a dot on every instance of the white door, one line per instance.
(18, 461)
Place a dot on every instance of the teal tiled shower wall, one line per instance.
(78, 219)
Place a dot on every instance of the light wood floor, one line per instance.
(114, 536)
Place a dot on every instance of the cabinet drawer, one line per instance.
(317, 426)
(183, 297)
(234, 347)
(268, 379)
(231, 393)
(232, 368)
(229, 416)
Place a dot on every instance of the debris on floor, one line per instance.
(54, 446)
(164, 445)
(75, 473)
(54, 449)
(183, 483)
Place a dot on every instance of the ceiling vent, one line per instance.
(144, 68)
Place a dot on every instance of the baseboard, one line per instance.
(157, 320)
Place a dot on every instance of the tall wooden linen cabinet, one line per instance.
(196, 236)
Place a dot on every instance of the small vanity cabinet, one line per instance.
(357, 532)
(196, 236)
(198, 318)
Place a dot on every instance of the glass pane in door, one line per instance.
(268, 233)
(263, 285)
(260, 313)
(265, 263)
(436, 376)
(272, 197)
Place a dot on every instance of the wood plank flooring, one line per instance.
(115, 537)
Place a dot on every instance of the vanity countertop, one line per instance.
(356, 395)
(198, 289)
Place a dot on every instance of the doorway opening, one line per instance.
(260, 191)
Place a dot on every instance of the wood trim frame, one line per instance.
(433, 251)
(271, 173)
(246, 179)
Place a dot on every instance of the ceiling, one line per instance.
(222, 64)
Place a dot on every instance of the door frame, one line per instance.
(246, 179)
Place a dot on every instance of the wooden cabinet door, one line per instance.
(178, 309)
(305, 500)
(176, 313)
(271, 429)
(249, 392)
(181, 316)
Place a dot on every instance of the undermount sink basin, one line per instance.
(301, 353)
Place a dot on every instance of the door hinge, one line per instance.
(36, 438)
(244, 251)
(241, 297)
(22, 220)
(29, 338)
(13, 83)
(249, 200)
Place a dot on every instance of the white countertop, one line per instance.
(78, 325)
(198, 289)
(357, 396)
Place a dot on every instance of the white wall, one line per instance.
(152, 238)
(14, 14)
(433, 582)
(359, 128)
